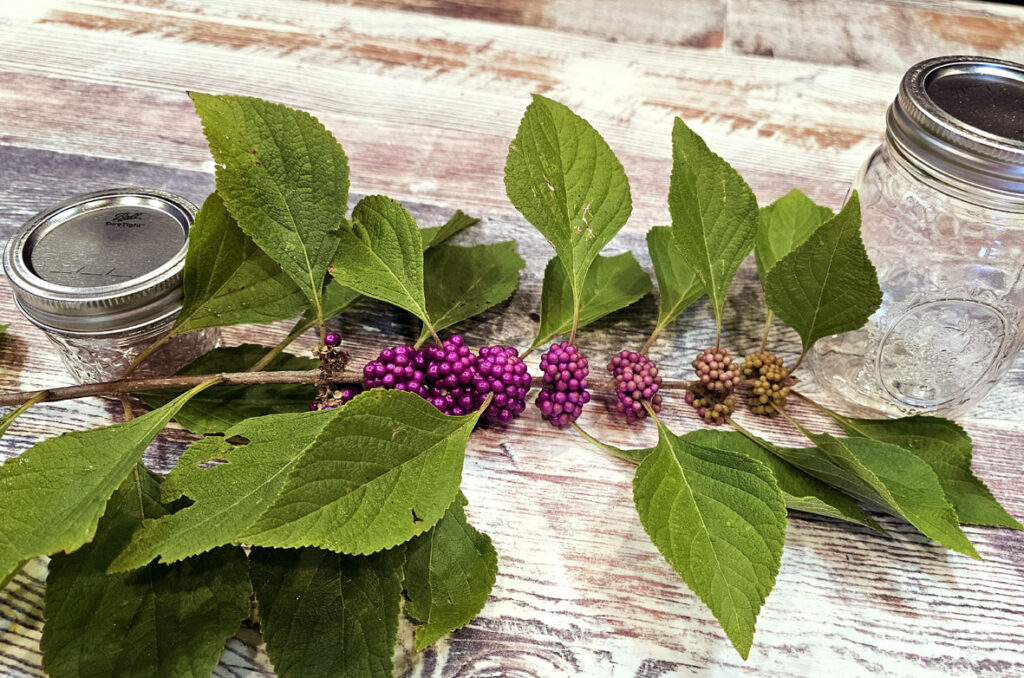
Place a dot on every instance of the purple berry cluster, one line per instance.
(400, 368)
(506, 376)
(451, 376)
(564, 393)
(454, 379)
(636, 380)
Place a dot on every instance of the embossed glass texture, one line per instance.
(950, 324)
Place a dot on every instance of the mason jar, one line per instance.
(100, 274)
(942, 204)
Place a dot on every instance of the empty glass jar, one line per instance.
(943, 221)
(100, 274)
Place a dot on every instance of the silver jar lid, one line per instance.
(960, 119)
(103, 262)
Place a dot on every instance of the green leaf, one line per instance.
(221, 407)
(785, 225)
(381, 256)
(283, 177)
(462, 282)
(337, 298)
(158, 621)
(678, 283)
(562, 176)
(53, 495)
(906, 483)
(228, 280)
(327, 614)
(947, 448)
(449, 573)
(827, 285)
(613, 283)
(800, 491)
(714, 214)
(383, 471)
(255, 458)
(719, 519)
(436, 235)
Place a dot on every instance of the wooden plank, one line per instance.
(425, 105)
(597, 599)
(364, 81)
(878, 34)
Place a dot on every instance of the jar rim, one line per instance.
(928, 125)
(148, 296)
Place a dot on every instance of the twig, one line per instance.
(157, 383)
(310, 377)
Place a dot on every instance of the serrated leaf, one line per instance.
(159, 621)
(562, 176)
(678, 283)
(784, 225)
(221, 407)
(457, 223)
(947, 448)
(827, 285)
(907, 484)
(714, 213)
(383, 471)
(328, 614)
(285, 180)
(337, 298)
(613, 283)
(800, 491)
(449, 573)
(381, 256)
(462, 282)
(227, 497)
(228, 280)
(53, 495)
(719, 519)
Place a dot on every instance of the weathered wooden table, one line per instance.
(425, 97)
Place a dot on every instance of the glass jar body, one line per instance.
(105, 356)
(952, 276)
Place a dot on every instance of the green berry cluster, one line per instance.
(771, 383)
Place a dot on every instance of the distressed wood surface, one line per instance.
(425, 95)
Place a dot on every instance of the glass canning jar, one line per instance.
(100, 274)
(942, 204)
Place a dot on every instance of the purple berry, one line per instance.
(636, 380)
(451, 376)
(332, 339)
(314, 405)
(565, 384)
(400, 368)
(502, 372)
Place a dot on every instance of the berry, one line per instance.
(711, 407)
(716, 371)
(564, 393)
(332, 339)
(771, 383)
(636, 380)
(401, 368)
(451, 377)
(506, 376)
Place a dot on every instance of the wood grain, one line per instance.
(425, 95)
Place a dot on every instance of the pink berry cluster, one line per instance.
(636, 381)
(564, 392)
